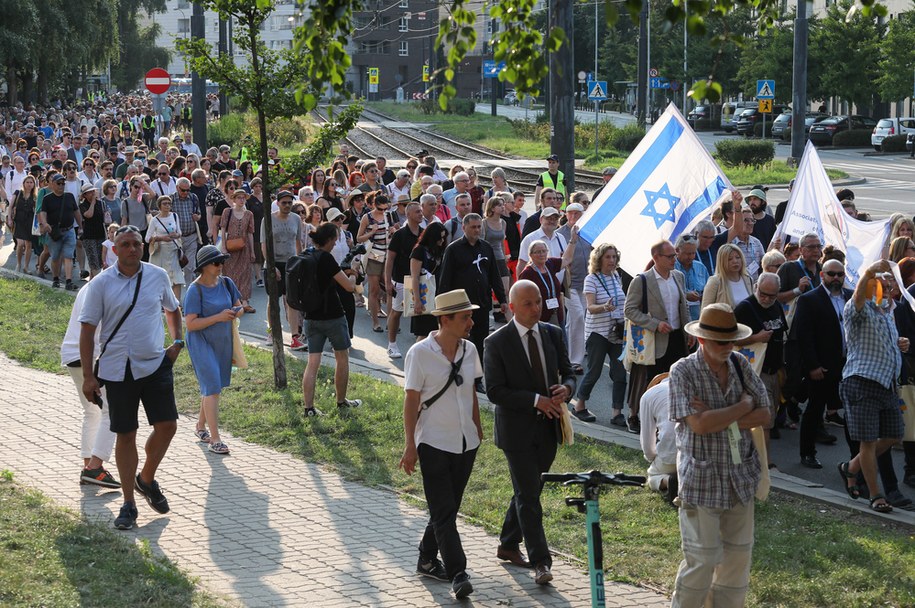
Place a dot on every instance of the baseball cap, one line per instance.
(129, 150)
(609, 171)
(283, 194)
(574, 207)
(549, 212)
(57, 177)
(553, 157)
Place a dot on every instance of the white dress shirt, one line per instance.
(523, 331)
(670, 295)
(654, 415)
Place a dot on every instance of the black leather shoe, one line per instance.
(513, 555)
(811, 462)
(584, 415)
(542, 574)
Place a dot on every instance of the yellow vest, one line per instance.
(560, 187)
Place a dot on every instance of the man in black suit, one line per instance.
(817, 328)
(529, 378)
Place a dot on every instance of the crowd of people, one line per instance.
(501, 302)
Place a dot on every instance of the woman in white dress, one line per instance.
(164, 237)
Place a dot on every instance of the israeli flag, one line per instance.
(667, 185)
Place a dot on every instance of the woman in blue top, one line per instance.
(211, 306)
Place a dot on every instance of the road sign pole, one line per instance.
(596, 126)
(764, 126)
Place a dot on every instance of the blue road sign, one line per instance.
(659, 82)
(491, 69)
(765, 89)
(597, 90)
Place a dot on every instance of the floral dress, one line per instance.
(238, 266)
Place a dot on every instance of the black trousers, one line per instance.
(480, 328)
(823, 394)
(524, 517)
(641, 375)
(348, 302)
(445, 476)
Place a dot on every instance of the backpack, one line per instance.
(302, 291)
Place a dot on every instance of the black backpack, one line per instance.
(302, 291)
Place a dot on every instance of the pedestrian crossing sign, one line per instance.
(597, 90)
(765, 106)
(765, 89)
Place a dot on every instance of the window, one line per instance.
(404, 48)
(404, 4)
(381, 47)
(184, 26)
(404, 25)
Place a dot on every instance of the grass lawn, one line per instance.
(497, 133)
(806, 555)
(50, 557)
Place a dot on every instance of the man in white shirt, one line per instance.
(400, 185)
(549, 223)
(14, 178)
(189, 146)
(443, 431)
(658, 438)
(165, 184)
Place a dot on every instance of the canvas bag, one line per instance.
(639, 347)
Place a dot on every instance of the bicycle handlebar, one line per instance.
(593, 478)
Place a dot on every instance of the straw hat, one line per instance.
(452, 302)
(717, 322)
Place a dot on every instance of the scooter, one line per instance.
(588, 504)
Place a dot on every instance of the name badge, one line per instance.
(752, 268)
(552, 303)
(734, 442)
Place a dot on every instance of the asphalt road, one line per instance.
(890, 181)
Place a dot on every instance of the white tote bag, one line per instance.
(426, 294)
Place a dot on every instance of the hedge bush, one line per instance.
(758, 127)
(627, 138)
(462, 107)
(855, 138)
(228, 130)
(736, 153)
(893, 143)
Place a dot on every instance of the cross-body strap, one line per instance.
(136, 293)
(452, 377)
(737, 368)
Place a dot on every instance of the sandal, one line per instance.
(219, 448)
(852, 490)
(203, 435)
(883, 507)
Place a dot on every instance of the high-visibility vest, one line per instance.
(559, 186)
(149, 122)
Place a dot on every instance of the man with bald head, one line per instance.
(817, 327)
(529, 379)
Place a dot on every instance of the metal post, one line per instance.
(764, 126)
(562, 89)
(799, 83)
(493, 82)
(641, 98)
(685, 86)
(198, 85)
(223, 49)
(596, 103)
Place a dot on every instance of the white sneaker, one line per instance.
(394, 352)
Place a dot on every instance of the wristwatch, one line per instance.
(178, 343)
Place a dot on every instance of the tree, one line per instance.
(897, 58)
(265, 86)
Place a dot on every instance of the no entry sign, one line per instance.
(158, 81)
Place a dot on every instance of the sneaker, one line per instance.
(260, 283)
(834, 419)
(584, 415)
(268, 339)
(152, 494)
(394, 352)
(433, 569)
(311, 412)
(349, 403)
(461, 586)
(55, 283)
(634, 425)
(127, 517)
(98, 477)
(84, 274)
(71, 286)
(618, 420)
(297, 344)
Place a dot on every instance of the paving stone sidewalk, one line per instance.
(262, 528)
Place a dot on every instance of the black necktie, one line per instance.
(536, 364)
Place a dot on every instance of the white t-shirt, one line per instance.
(110, 257)
(654, 416)
(448, 424)
(738, 291)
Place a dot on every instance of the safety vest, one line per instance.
(125, 127)
(559, 186)
(187, 112)
(149, 122)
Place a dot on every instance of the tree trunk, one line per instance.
(12, 86)
(27, 87)
(279, 355)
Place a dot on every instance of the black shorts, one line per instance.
(156, 391)
(281, 283)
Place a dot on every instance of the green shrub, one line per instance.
(627, 138)
(736, 153)
(228, 130)
(853, 138)
(427, 106)
(584, 135)
(285, 132)
(893, 143)
(758, 127)
(462, 107)
(531, 131)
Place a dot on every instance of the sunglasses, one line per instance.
(834, 274)
(184, 190)
(723, 342)
(127, 228)
(217, 263)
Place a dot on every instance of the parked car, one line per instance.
(730, 111)
(822, 132)
(782, 125)
(891, 126)
(511, 98)
(749, 117)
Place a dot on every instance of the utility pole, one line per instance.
(198, 85)
(493, 82)
(562, 91)
(799, 84)
(641, 97)
(223, 51)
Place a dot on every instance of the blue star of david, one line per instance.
(651, 209)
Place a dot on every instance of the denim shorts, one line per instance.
(319, 331)
(65, 247)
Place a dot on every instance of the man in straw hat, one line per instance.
(443, 430)
(529, 379)
(716, 398)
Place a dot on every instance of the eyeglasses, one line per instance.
(134, 186)
(763, 294)
(669, 256)
(217, 263)
(184, 190)
(749, 221)
(339, 219)
(833, 274)
(813, 246)
(230, 187)
(723, 342)
(688, 238)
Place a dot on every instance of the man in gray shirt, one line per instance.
(132, 364)
(575, 302)
(287, 242)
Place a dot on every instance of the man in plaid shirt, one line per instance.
(716, 398)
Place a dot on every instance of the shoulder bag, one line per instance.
(136, 293)
(639, 347)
